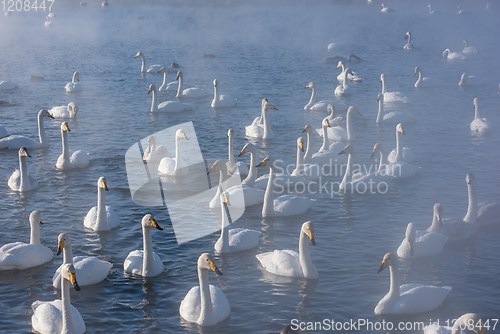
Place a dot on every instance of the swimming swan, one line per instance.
(479, 124)
(338, 133)
(434, 11)
(222, 101)
(193, 92)
(470, 321)
(401, 154)
(101, 217)
(74, 86)
(423, 82)
(252, 171)
(386, 9)
(175, 166)
(167, 106)
(469, 80)
(408, 298)
(392, 117)
(421, 243)
(398, 169)
(145, 262)
(392, 97)
(16, 142)
(151, 69)
(78, 159)
(153, 153)
(205, 304)
(19, 255)
(462, 12)
(408, 45)
(351, 77)
(468, 50)
(8, 85)
(334, 120)
(261, 126)
(312, 104)
(68, 111)
(344, 89)
(22, 180)
(453, 55)
(290, 263)
(328, 153)
(170, 86)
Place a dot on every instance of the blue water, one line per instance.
(270, 52)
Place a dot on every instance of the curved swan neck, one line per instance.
(35, 233)
(300, 161)
(326, 140)
(252, 173)
(165, 79)
(304, 256)
(148, 262)
(419, 80)
(207, 310)
(224, 235)
(178, 162)
(308, 154)
(268, 207)
(344, 84)
(312, 100)
(216, 93)
(41, 130)
(180, 88)
(101, 217)
(74, 78)
(380, 115)
(383, 160)
(23, 170)
(471, 215)
(143, 68)
(68, 324)
(349, 126)
(348, 174)
(154, 103)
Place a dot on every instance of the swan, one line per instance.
(222, 101)
(261, 126)
(7, 85)
(205, 304)
(252, 171)
(78, 159)
(68, 111)
(90, 269)
(468, 80)
(309, 170)
(170, 86)
(105, 3)
(468, 50)
(328, 153)
(394, 169)
(423, 82)
(344, 89)
(231, 164)
(59, 316)
(16, 141)
(352, 77)
(153, 153)
(488, 213)
(48, 22)
(235, 239)
(462, 12)
(434, 11)
(332, 119)
(393, 116)
(347, 180)
(453, 55)
(338, 133)
(392, 97)
(421, 243)
(151, 69)
(400, 153)
(51, 13)
(74, 86)
(386, 9)
(19, 255)
(479, 124)
(312, 104)
(285, 205)
(3, 132)
(290, 263)
(408, 298)
(175, 166)
(145, 262)
(101, 217)
(22, 180)
(408, 45)
(193, 92)
(470, 321)
(167, 106)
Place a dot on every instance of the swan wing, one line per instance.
(16, 142)
(194, 92)
(395, 97)
(291, 205)
(154, 68)
(416, 298)
(166, 166)
(479, 125)
(242, 239)
(89, 270)
(255, 130)
(191, 304)
(253, 196)
(395, 117)
(437, 329)
(282, 263)
(60, 112)
(173, 106)
(79, 159)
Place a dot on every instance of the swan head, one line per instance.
(36, 218)
(152, 88)
(230, 133)
(247, 148)
(340, 64)
(383, 6)
(308, 229)
(349, 149)
(65, 127)
(446, 52)
(300, 143)
(470, 178)
(266, 105)
(161, 70)
(181, 134)
(44, 113)
(101, 183)
(380, 97)
(388, 260)
(417, 69)
(471, 321)
(179, 75)
(63, 240)
(438, 212)
(268, 161)
(23, 152)
(138, 54)
(378, 148)
(399, 128)
(149, 221)
(351, 109)
(72, 106)
(410, 238)
(326, 123)
(382, 77)
(310, 85)
(308, 129)
(224, 196)
(218, 165)
(407, 35)
(68, 272)
(206, 262)
(475, 101)
(215, 83)
(151, 141)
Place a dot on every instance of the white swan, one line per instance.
(167, 106)
(462, 12)
(334, 120)
(90, 269)
(252, 171)
(145, 262)
(431, 11)
(48, 22)
(154, 153)
(468, 50)
(59, 316)
(308, 171)
(338, 133)
(488, 213)
(68, 111)
(469, 80)
(423, 82)
(105, 3)
(170, 86)
(235, 239)
(285, 205)
(327, 154)
(101, 217)
(8, 85)
(408, 298)
(222, 101)
(408, 45)
(205, 304)
(470, 321)
(392, 97)
(193, 92)
(479, 124)
(78, 159)
(16, 141)
(421, 243)
(453, 55)
(151, 69)
(312, 104)
(347, 181)
(392, 117)
(51, 13)
(344, 89)
(74, 86)
(22, 180)
(261, 126)
(394, 169)
(231, 164)
(401, 154)
(351, 77)
(175, 166)
(19, 255)
(290, 263)
(386, 9)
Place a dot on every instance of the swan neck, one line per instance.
(252, 173)
(308, 155)
(178, 163)
(344, 84)
(216, 93)
(101, 217)
(394, 289)
(383, 86)
(348, 174)
(304, 256)
(224, 235)
(399, 153)
(312, 100)
(23, 170)
(380, 115)
(383, 161)
(268, 207)
(267, 125)
(207, 310)
(471, 215)
(326, 141)
(165, 79)
(143, 68)
(41, 131)
(231, 149)
(180, 89)
(35, 234)
(300, 161)
(154, 103)
(65, 147)
(67, 254)
(349, 126)
(148, 264)
(74, 78)
(476, 114)
(68, 325)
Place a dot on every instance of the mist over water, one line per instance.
(261, 49)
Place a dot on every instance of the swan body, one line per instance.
(231, 164)
(175, 166)
(421, 243)
(22, 180)
(167, 106)
(59, 316)
(3, 132)
(16, 141)
(479, 124)
(74, 86)
(488, 213)
(261, 126)
(423, 82)
(344, 89)
(328, 153)
(151, 69)
(386, 9)
(101, 217)
(19, 255)
(408, 45)
(393, 170)
(48, 22)
(7, 85)
(392, 97)
(433, 11)
(468, 50)
(153, 153)
(351, 76)
(312, 104)
(79, 159)
(408, 298)
(205, 304)
(290, 263)
(145, 262)
(334, 120)
(470, 321)
(462, 12)
(338, 133)
(222, 101)
(468, 80)
(393, 117)
(193, 92)
(68, 111)
(401, 154)
(453, 55)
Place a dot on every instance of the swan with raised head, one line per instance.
(285, 205)
(68, 111)
(308, 171)
(401, 154)
(90, 269)
(394, 169)
(338, 133)
(392, 97)
(447, 54)
(175, 166)
(48, 22)
(101, 217)
(8, 85)
(312, 104)
(391, 117)
(344, 89)
(252, 171)
(105, 3)
(468, 50)
(78, 159)
(74, 86)
(290, 263)
(167, 106)
(193, 92)
(59, 316)
(434, 11)
(205, 304)
(332, 119)
(261, 126)
(231, 164)
(22, 180)
(151, 69)
(16, 141)
(421, 243)
(386, 9)
(423, 82)
(145, 262)
(154, 153)
(479, 124)
(170, 86)
(20, 255)
(469, 80)
(462, 12)
(408, 45)
(222, 101)
(351, 77)
(470, 321)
